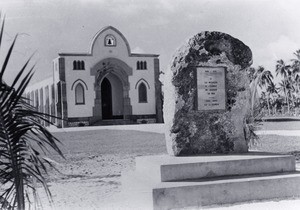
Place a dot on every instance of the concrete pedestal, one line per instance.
(166, 182)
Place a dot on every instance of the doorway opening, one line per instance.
(106, 99)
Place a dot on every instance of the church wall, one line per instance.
(84, 75)
(41, 96)
(147, 75)
(73, 77)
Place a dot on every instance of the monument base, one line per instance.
(166, 182)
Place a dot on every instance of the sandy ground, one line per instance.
(88, 183)
(93, 182)
(155, 128)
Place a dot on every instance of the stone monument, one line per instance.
(207, 101)
(207, 96)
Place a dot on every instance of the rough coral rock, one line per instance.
(190, 131)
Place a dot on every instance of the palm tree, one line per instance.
(262, 78)
(296, 72)
(287, 88)
(263, 100)
(297, 82)
(296, 62)
(297, 89)
(271, 90)
(284, 71)
(265, 77)
(23, 141)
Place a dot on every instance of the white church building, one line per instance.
(107, 84)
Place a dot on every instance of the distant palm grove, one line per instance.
(280, 97)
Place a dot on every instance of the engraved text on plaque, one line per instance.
(211, 88)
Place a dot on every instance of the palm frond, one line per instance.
(7, 58)
(254, 116)
(23, 140)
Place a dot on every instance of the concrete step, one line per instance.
(211, 191)
(113, 122)
(165, 182)
(169, 168)
(224, 191)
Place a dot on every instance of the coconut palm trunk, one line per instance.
(286, 97)
(268, 103)
(285, 71)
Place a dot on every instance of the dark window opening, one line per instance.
(142, 93)
(78, 65)
(74, 65)
(141, 65)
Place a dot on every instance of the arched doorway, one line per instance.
(117, 72)
(106, 99)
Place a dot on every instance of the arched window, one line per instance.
(75, 65)
(142, 93)
(28, 97)
(82, 65)
(32, 98)
(78, 65)
(141, 65)
(41, 100)
(79, 94)
(37, 99)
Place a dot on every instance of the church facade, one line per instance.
(108, 83)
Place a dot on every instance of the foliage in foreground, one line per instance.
(254, 116)
(23, 142)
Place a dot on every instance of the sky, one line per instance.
(271, 28)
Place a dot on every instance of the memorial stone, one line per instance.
(206, 107)
(207, 96)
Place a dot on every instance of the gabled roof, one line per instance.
(101, 32)
(105, 29)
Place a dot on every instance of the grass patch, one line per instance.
(289, 125)
(101, 153)
(279, 144)
(136, 143)
(122, 142)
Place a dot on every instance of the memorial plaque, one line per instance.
(211, 88)
(207, 96)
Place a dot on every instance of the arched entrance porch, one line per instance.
(111, 81)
